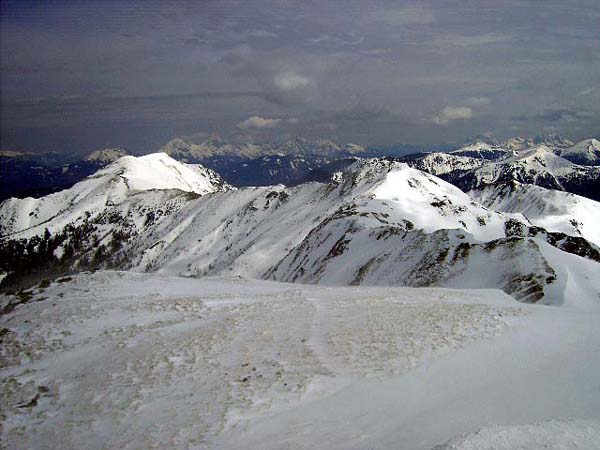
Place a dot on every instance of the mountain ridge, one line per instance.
(378, 222)
(289, 162)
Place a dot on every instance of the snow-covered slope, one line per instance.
(109, 186)
(551, 166)
(249, 230)
(553, 435)
(165, 360)
(122, 360)
(547, 208)
(432, 204)
(416, 230)
(385, 223)
(159, 171)
(443, 163)
(380, 222)
(536, 166)
(540, 166)
(483, 150)
(585, 153)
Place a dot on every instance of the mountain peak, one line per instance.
(550, 140)
(113, 185)
(482, 150)
(106, 155)
(432, 204)
(586, 152)
(160, 171)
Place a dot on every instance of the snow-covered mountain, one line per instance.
(438, 163)
(240, 164)
(483, 150)
(110, 186)
(190, 152)
(186, 151)
(586, 153)
(540, 165)
(547, 208)
(550, 140)
(378, 222)
(39, 174)
(265, 164)
(106, 155)
(293, 162)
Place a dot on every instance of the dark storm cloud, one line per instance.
(370, 71)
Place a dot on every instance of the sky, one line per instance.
(77, 76)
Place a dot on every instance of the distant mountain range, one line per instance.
(374, 221)
(31, 174)
(289, 163)
(39, 174)
(188, 152)
(262, 165)
(478, 165)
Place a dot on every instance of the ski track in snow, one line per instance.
(123, 360)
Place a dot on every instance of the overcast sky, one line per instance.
(84, 75)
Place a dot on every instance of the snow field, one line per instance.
(120, 360)
(551, 435)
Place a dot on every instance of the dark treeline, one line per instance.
(74, 249)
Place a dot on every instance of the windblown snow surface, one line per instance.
(122, 360)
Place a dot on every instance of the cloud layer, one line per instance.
(258, 122)
(80, 75)
(451, 113)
